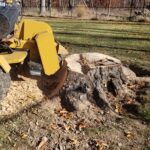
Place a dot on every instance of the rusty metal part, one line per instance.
(51, 85)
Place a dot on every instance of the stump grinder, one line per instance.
(29, 43)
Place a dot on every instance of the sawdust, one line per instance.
(22, 94)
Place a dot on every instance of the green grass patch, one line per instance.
(129, 42)
(144, 98)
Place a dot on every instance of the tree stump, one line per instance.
(95, 78)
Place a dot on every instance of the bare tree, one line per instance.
(43, 8)
(143, 6)
(60, 5)
(131, 7)
(37, 4)
(109, 7)
(50, 6)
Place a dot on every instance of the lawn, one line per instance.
(129, 42)
(50, 125)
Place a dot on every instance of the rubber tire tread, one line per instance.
(5, 81)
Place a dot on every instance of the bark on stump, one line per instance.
(94, 78)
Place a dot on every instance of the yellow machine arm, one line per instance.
(35, 39)
(9, 1)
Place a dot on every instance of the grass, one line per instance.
(144, 97)
(129, 42)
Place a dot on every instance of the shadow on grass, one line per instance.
(121, 31)
(104, 46)
(107, 30)
(139, 70)
(102, 36)
(141, 110)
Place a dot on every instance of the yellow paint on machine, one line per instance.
(48, 54)
(35, 40)
(4, 64)
(9, 1)
(15, 57)
(27, 29)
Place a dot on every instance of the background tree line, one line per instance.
(45, 5)
(89, 3)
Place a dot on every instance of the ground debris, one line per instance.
(98, 145)
(42, 143)
(64, 113)
(81, 125)
(81, 118)
(129, 134)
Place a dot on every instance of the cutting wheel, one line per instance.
(51, 85)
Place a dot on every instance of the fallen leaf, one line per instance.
(67, 127)
(129, 100)
(53, 126)
(118, 108)
(42, 143)
(67, 115)
(24, 136)
(15, 145)
(98, 144)
(73, 141)
(10, 140)
(133, 86)
(64, 113)
(129, 134)
(81, 125)
(101, 144)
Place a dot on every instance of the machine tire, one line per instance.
(4, 83)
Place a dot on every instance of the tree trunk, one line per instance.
(50, 6)
(143, 6)
(109, 7)
(60, 5)
(94, 78)
(22, 5)
(131, 7)
(43, 7)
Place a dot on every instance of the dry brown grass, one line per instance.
(81, 10)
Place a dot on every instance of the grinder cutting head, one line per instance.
(9, 13)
